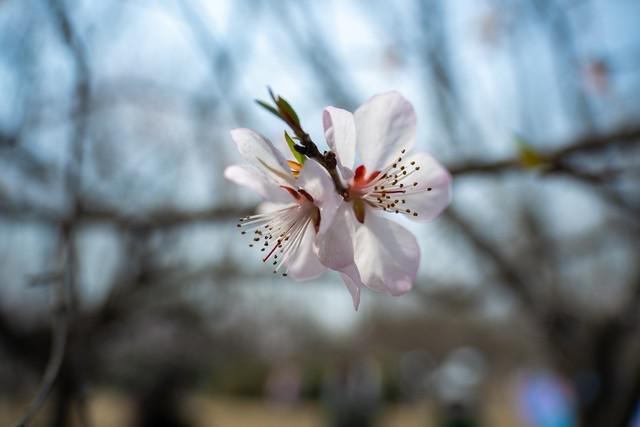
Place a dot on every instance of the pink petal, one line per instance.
(387, 255)
(252, 178)
(261, 153)
(315, 180)
(340, 133)
(432, 194)
(385, 125)
(304, 264)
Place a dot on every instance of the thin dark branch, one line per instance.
(64, 311)
(60, 326)
(476, 167)
(511, 278)
(624, 137)
(555, 158)
(88, 215)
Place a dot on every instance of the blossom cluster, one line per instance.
(316, 218)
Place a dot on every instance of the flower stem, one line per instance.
(307, 147)
(327, 160)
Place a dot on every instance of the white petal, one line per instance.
(335, 247)
(261, 153)
(268, 207)
(387, 255)
(354, 289)
(252, 178)
(428, 204)
(315, 180)
(304, 264)
(340, 133)
(345, 173)
(385, 125)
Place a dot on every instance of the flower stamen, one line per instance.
(282, 231)
(387, 188)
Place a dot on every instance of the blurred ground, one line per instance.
(114, 409)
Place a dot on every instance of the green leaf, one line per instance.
(529, 157)
(292, 146)
(286, 110)
(282, 110)
(268, 108)
(273, 97)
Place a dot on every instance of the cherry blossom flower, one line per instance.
(367, 248)
(300, 203)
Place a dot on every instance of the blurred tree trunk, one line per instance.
(61, 416)
(605, 378)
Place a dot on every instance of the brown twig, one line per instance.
(327, 160)
(307, 147)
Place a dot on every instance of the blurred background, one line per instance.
(127, 293)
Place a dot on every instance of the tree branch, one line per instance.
(59, 331)
(557, 158)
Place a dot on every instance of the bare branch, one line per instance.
(557, 158)
(59, 331)
(511, 278)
